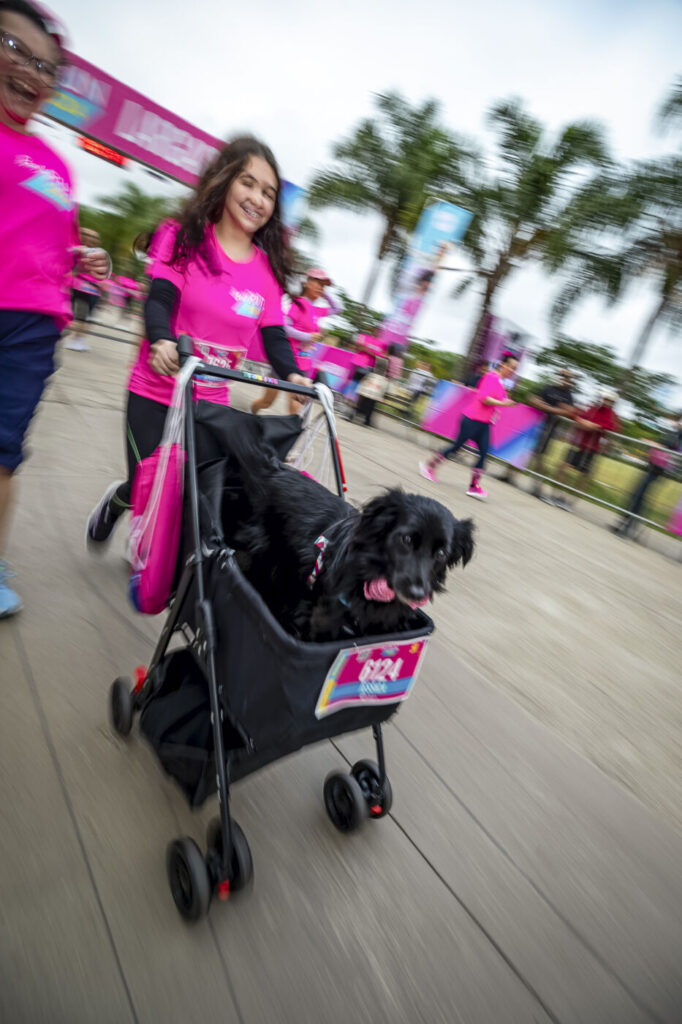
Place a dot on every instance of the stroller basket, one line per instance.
(269, 685)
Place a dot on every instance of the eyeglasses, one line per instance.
(14, 49)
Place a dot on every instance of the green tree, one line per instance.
(670, 111)
(520, 198)
(120, 218)
(634, 223)
(392, 164)
(307, 231)
(356, 318)
(599, 363)
(444, 365)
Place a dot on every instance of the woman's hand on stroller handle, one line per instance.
(295, 384)
(298, 378)
(164, 358)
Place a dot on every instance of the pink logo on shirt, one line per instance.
(247, 303)
(46, 182)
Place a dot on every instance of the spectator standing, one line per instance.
(661, 462)
(589, 440)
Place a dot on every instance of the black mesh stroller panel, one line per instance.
(215, 423)
(176, 721)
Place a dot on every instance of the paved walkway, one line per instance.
(515, 880)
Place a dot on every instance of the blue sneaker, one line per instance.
(10, 602)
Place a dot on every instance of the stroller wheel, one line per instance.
(345, 802)
(241, 868)
(188, 878)
(366, 773)
(121, 706)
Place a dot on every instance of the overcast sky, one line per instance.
(300, 75)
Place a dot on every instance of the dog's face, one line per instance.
(412, 541)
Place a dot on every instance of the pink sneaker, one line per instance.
(427, 472)
(476, 491)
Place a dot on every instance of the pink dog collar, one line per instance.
(321, 545)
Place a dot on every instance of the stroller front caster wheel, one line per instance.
(188, 878)
(241, 867)
(345, 802)
(379, 800)
(121, 706)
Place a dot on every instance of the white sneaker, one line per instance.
(77, 345)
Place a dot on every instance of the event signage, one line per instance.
(99, 106)
(440, 226)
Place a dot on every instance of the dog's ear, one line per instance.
(381, 514)
(462, 546)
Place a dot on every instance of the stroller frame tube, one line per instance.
(205, 637)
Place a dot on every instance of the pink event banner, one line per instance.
(97, 105)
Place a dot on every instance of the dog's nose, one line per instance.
(416, 591)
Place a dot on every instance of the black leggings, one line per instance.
(145, 420)
(471, 430)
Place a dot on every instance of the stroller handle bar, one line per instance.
(186, 349)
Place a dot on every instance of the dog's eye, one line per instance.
(407, 540)
(440, 555)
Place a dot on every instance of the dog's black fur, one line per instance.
(407, 539)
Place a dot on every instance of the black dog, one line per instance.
(327, 569)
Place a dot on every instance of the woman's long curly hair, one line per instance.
(208, 200)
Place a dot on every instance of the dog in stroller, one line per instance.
(327, 569)
(242, 691)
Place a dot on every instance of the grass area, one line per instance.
(614, 480)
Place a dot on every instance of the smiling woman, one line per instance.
(38, 240)
(218, 276)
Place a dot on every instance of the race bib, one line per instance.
(371, 675)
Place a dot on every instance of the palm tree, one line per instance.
(644, 205)
(656, 250)
(519, 205)
(392, 164)
(670, 111)
(120, 218)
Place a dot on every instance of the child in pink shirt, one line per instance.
(474, 426)
(218, 276)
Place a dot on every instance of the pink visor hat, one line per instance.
(318, 274)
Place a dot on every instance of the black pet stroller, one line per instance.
(238, 692)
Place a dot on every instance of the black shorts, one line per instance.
(82, 304)
(581, 459)
(27, 342)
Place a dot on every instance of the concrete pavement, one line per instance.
(529, 870)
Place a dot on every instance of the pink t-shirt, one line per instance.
(38, 227)
(85, 283)
(115, 293)
(305, 316)
(169, 227)
(489, 386)
(222, 305)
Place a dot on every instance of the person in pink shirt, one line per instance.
(85, 294)
(39, 243)
(302, 326)
(475, 423)
(218, 276)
